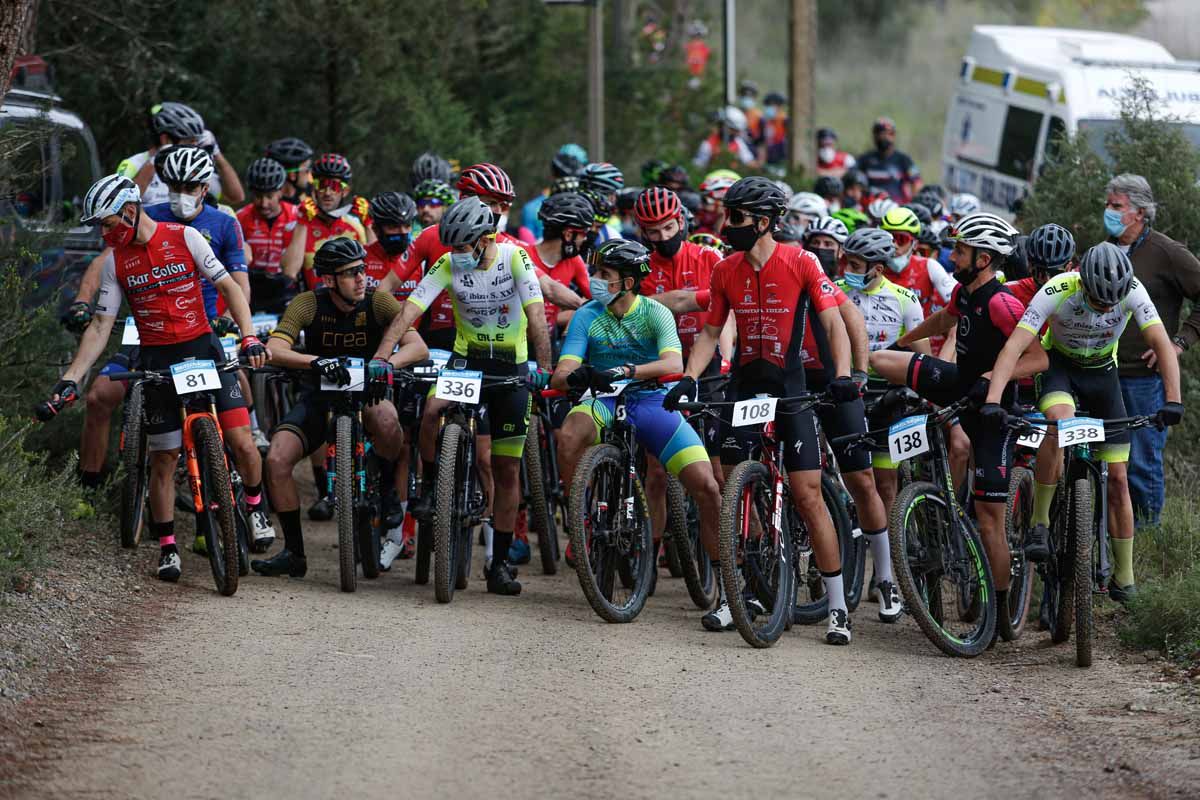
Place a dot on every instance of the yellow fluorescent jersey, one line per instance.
(889, 310)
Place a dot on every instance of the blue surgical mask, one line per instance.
(1112, 222)
(770, 112)
(855, 280)
(464, 262)
(746, 102)
(600, 292)
(898, 264)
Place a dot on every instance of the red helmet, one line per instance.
(332, 165)
(486, 179)
(656, 204)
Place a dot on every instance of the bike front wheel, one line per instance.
(134, 456)
(1018, 520)
(541, 503)
(343, 500)
(1082, 516)
(216, 492)
(449, 511)
(609, 523)
(938, 563)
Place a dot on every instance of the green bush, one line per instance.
(1163, 616)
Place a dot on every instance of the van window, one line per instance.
(1018, 144)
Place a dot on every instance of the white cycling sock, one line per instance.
(881, 554)
(396, 534)
(253, 420)
(834, 590)
(487, 542)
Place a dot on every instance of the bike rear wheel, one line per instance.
(449, 508)
(541, 504)
(683, 542)
(937, 563)
(1058, 573)
(343, 501)
(135, 457)
(1018, 516)
(1082, 535)
(216, 492)
(610, 535)
(370, 520)
(756, 555)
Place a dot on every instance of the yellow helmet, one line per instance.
(901, 219)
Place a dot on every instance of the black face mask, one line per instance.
(828, 259)
(394, 243)
(667, 248)
(741, 238)
(589, 244)
(568, 249)
(882, 144)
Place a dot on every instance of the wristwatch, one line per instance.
(629, 369)
(1181, 342)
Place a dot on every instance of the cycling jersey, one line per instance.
(644, 334)
(329, 331)
(1077, 331)
(570, 272)
(156, 191)
(268, 238)
(162, 282)
(319, 228)
(691, 269)
(932, 285)
(223, 234)
(489, 304)
(425, 250)
(379, 264)
(1023, 289)
(769, 306)
(986, 318)
(890, 311)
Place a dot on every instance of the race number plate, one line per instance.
(229, 343)
(440, 358)
(130, 334)
(263, 324)
(754, 412)
(1080, 430)
(909, 437)
(1033, 439)
(357, 378)
(195, 376)
(459, 385)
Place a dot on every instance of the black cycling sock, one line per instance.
(164, 530)
(320, 480)
(293, 538)
(90, 480)
(501, 541)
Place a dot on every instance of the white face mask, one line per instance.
(184, 206)
(826, 154)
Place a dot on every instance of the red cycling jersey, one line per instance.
(423, 253)
(267, 238)
(919, 276)
(1023, 289)
(768, 304)
(693, 271)
(379, 264)
(161, 281)
(570, 272)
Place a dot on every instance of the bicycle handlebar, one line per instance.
(159, 375)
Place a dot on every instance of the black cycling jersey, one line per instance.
(329, 331)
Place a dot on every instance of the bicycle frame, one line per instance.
(189, 411)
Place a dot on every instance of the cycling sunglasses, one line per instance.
(737, 217)
(901, 238)
(331, 185)
(353, 272)
(429, 201)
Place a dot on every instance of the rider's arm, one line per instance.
(706, 341)
(670, 351)
(558, 294)
(89, 284)
(146, 174)
(231, 185)
(680, 301)
(1006, 362)
(293, 255)
(934, 325)
(726, 340)
(856, 329)
(911, 315)
(298, 315)
(214, 270)
(525, 278)
(574, 347)
(412, 347)
(839, 341)
(422, 297)
(95, 338)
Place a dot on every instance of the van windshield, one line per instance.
(1097, 130)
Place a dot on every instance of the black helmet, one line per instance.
(922, 212)
(564, 164)
(652, 171)
(872, 245)
(928, 236)
(828, 186)
(826, 133)
(1050, 247)
(690, 200)
(290, 151)
(265, 175)
(567, 183)
(566, 210)
(774, 99)
(627, 197)
(466, 222)
(756, 195)
(935, 189)
(1016, 266)
(176, 120)
(332, 165)
(1106, 274)
(630, 259)
(393, 208)
(429, 166)
(336, 253)
(601, 208)
(932, 201)
(675, 174)
(855, 177)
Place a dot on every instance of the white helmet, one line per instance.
(879, 207)
(808, 204)
(185, 165)
(734, 118)
(963, 204)
(827, 226)
(788, 191)
(986, 231)
(107, 197)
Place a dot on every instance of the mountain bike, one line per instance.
(544, 498)
(135, 457)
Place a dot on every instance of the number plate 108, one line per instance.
(754, 412)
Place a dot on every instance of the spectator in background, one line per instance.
(1171, 275)
(831, 161)
(568, 161)
(696, 52)
(886, 167)
(854, 188)
(733, 121)
(772, 142)
(748, 102)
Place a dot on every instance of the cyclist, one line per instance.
(878, 205)
(497, 311)
(932, 285)
(296, 157)
(429, 167)
(804, 207)
(855, 187)
(962, 205)
(824, 238)
(178, 124)
(606, 181)
(267, 224)
(432, 198)
(568, 161)
(155, 265)
(852, 218)
(388, 270)
(986, 314)
(710, 218)
(341, 318)
(829, 189)
(565, 219)
(324, 216)
(768, 289)
(623, 335)
(1050, 251)
(1084, 314)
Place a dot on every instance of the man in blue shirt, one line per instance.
(886, 167)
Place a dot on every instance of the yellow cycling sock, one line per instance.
(1043, 495)
(1122, 561)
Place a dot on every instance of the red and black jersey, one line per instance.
(986, 318)
(694, 267)
(379, 264)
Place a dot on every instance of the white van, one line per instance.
(1019, 87)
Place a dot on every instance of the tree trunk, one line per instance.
(15, 17)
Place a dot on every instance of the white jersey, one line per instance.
(156, 190)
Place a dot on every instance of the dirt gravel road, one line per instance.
(293, 689)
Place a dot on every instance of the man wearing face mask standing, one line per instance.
(769, 290)
(886, 167)
(832, 162)
(1171, 275)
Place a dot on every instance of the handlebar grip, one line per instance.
(550, 394)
